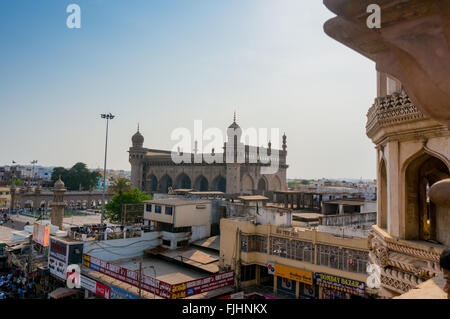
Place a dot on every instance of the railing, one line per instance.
(391, 109)
(363, 219)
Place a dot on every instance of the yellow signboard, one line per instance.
(293, 274)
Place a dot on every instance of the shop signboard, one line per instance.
(57, 267)
(158, 287)
(341, 284)
(201, 285)
(88, 284)
(57, 258)
(102, 290)
(128, 276)
(41, 234)
(292, 273)
(117, 293)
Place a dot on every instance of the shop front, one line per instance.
(335, 287)
(292, 281)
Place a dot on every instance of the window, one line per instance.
(168, 210)
(248, 273)
(157, 209)
(278, 246)
(343, 258)
(148, 207)
(166, 242)
(300, 250)
(182, 243)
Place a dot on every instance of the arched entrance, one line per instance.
(424, 220)
(201, 184)
(247, 185)
(220, 184)
(262, 187)
(165, 183)
(382, 213)
(152, 184)
(183, 182)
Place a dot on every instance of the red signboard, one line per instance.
(158, 287)
(102, 290)
(201, 285)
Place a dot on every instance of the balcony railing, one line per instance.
(389, 110)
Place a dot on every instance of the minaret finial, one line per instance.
(138, 126)
(234, 117)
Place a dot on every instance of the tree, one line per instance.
(120, 186)
(18, 182)
(114, 207)
(78, 175)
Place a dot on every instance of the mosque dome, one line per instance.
(137, 139)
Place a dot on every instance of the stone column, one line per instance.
(58, 204)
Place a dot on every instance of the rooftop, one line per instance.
(253, 198)
(166, 271)
(176, 201)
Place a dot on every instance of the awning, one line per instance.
(61, 293)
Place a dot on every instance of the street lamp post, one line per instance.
(107, 117)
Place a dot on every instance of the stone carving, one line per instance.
(391, 110)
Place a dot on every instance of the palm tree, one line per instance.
(119, 186)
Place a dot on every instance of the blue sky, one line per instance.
(167, 63)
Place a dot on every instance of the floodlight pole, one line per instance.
(107, 117)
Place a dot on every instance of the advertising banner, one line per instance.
(41, 234)
(57, 267)
(58, 250)
(158, 287)
(102, 290)
(198, 286)
(342, 284)
(117, 293)
(128, 276)
(292, 273)
(88, 284)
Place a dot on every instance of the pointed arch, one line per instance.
(420, 172)
(220, 184)
(247, 184)
(382, 198)
(201, 184)
(276, 184)
(151, 183)
(262, 186)
(183, 181)
(165, 183)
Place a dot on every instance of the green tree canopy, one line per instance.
(114, 207)
(120, 186)
(78, 175)
(18, 182)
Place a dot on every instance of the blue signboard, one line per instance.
(117, 293)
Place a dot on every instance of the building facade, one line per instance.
(155, 171)
(413, 153)
(303, 263)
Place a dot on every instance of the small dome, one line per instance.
(59, 184)
(234, 125)
(137, 139)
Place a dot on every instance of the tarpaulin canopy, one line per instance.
(61, 293)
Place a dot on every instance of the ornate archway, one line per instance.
(165, 183)
(201, 184)
(423, 219)
(220, 184)
(183, 181)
